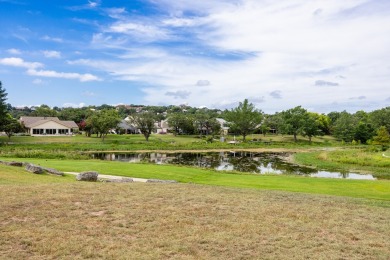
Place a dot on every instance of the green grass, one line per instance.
(156, 142)
(18, 175)
(340, 187)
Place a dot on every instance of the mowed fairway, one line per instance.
(47, 217)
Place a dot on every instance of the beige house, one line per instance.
(47, 126)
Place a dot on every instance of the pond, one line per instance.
(260, 163)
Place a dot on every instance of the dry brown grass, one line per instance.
(184, 221)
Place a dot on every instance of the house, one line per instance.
(161, 127)
(47, 126)
(126, 128)
(224, 126)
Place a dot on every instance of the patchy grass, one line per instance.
(341, 187)
(354, 160)
(184, 221)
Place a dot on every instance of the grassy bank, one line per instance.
(349, 160)
(351, 188)
(184, 221)
(74, 147)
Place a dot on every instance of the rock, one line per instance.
(18, 164)
(34, 168)
(53, 171)
(87, 176)
(118, 180)
(161, 181)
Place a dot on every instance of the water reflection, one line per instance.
(261, 163)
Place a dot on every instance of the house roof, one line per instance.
(125, 125)
(30, 121)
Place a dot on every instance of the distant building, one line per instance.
(36, 126)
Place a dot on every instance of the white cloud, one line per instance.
(178, 94)
(38, 82)
(14, 51)
(64, 75)
(51, 54)
(89, 94)
(18, 62)
(141, 31)
(52, 39)
(250, 48)
(80, 105)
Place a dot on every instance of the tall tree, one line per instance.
(245, 118)
(311, 126)
(3, 105)
(380, 117)
(344, 127)
(103, 121)
(382, 137)
(145, 122)
(11, 126)
(294, 121)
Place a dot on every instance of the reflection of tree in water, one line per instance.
(344, 174)
(245, 164)
(204, 160)
(240, 161)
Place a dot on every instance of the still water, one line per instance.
(260, 163)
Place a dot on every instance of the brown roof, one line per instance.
(31, 121)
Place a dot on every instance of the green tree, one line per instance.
(244, 119)
(294, 121)
(380, 117)
(363, 132)
(382, 137)
(3, 105)
(176, 121)
(11, 126)
(145, 122)
(44, 111)
(202, 120)
(311, 126)
(344, 127)
(103, 121)
(324, 123)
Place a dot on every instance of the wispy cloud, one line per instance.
(89, 94)
(202, 83)
(51, 54)
(324, 83)
(38, 82)
(277, 94)
(18, 62)
(79, 105)
(63, 75)
(52, 39)
(178, 94)
(14, 51)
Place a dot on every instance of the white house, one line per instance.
(47, 126)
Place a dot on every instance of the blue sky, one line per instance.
(326, 55)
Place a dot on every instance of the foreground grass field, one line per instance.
(379, 190)
(73, 220)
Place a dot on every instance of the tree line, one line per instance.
(245, 119)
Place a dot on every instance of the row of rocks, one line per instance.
(33, 168)
(83, 176)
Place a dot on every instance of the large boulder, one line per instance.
(34, 168)
(124, 179)
(53, 171)
(87, 176)
(161, 181)
(18, 164)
